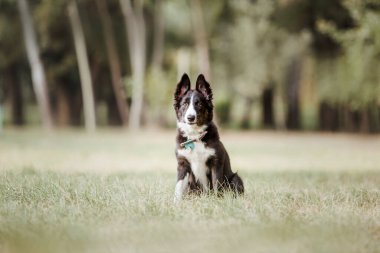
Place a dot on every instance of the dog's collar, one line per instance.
(189, 144)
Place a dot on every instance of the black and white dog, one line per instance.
(203, 162)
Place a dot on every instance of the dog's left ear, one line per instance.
(203, 87)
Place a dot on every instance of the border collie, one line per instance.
(203, 162)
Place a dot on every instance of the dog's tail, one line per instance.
(236, 183)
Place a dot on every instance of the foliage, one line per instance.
(253, 44)
(357, 66)
(249, 46)
(254, 53)
(10, 27)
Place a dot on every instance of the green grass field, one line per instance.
(113, 192)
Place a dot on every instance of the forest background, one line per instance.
(273, 64)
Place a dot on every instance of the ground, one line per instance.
(113, 192)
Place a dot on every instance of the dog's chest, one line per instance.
(197, 157)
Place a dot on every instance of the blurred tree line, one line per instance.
(277, 64)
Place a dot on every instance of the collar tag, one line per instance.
(189, 145)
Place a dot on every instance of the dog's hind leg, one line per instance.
(236, 184)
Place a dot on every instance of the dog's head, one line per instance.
(193, 107)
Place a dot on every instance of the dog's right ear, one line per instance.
(182, 88)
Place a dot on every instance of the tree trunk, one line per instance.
(347, 124)
(135, 25)
(200, 35)
(292, 93)
(113, 59)
(63, 106)
(374, 116)
(76, 107)
(364, 126)
(322, 116)
(328, 117)
(113, 118)
(246, 120)
(335, 118)
(158, 36)
(350, 119)
(355, 114)
(38, 72)
(1, 110)
(267, 107)
(1, 118)
(84, 69)
(15, 95)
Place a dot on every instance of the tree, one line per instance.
(158, 36)
(135, 26)
(248, 55)
(352, 102)
(11, 55)
(292, 86)
(58, 52)
(113, 59)
(200, 35)
(38, 72)
(84, 69)
(256, 63)
(267, 107)
(15, 94)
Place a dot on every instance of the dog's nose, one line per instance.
(191, 118)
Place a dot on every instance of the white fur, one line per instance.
(191, 131)
(191, 110)
(197, 159)
(181, 188)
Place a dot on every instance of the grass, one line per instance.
(53, 200)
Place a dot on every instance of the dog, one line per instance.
(203, 162)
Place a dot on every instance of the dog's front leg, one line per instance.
(183, 172)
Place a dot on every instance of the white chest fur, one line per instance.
(197, 158)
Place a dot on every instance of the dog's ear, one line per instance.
(204, 87)
(182, 88)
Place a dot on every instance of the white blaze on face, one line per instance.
(190, 110)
